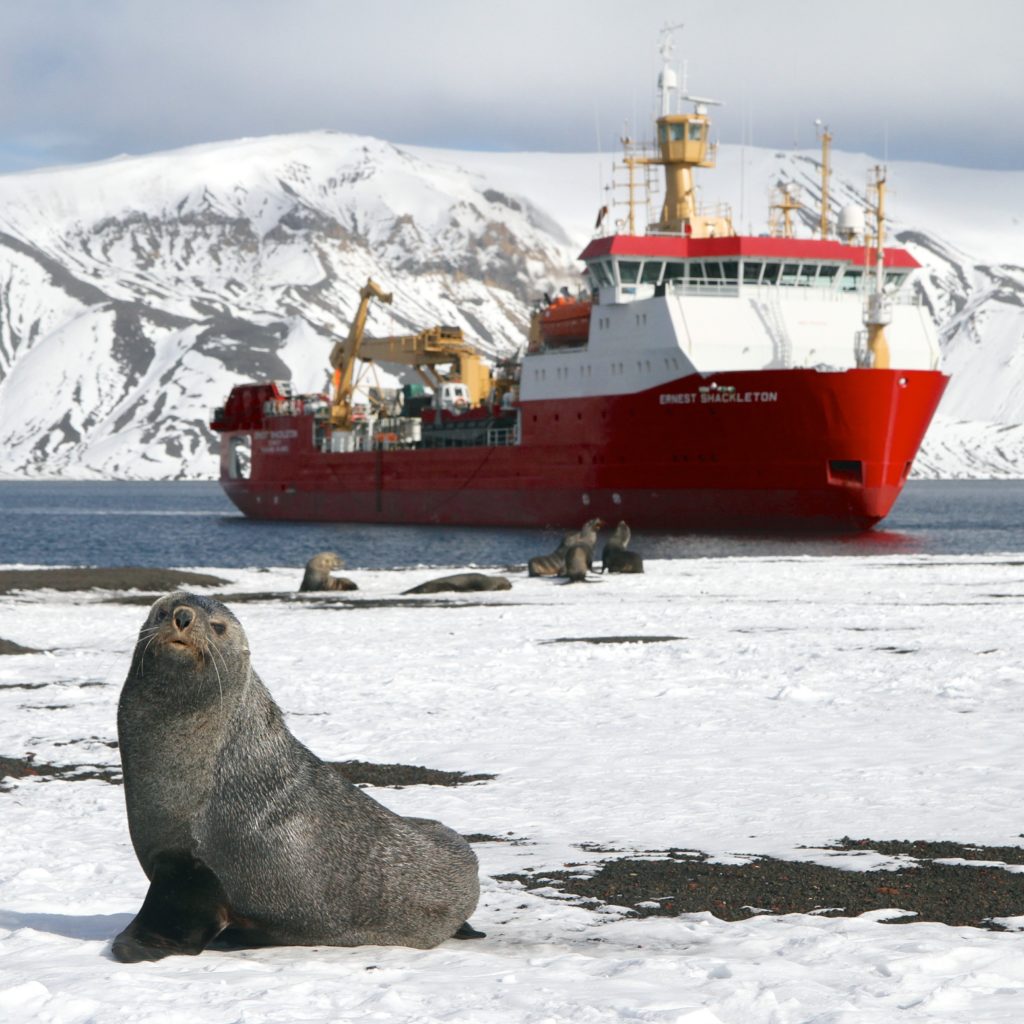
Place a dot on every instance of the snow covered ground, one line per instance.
(803, 700)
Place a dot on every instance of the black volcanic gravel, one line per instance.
(681, 882)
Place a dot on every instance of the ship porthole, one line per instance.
(617, 498)
(902, 382)
(586, 499)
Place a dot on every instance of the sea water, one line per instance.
(194, 524)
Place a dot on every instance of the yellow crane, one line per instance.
(345, 353)
(425, 351)
(431, 348)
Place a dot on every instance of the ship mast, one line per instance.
(682, 146)
(826, 171)
(878, 312)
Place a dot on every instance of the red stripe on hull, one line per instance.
(781, 449)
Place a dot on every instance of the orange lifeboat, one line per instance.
(565, 322)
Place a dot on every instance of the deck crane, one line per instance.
(345, 353)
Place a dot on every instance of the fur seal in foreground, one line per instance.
(318, 573)
(243, 832)
(462, 583)
(615, 557)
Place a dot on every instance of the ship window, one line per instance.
(751, 272)
(807, 274)
(662, 133)
(696, 271)
(789, 273)
(894, 280)
(599, 271)
(731, 271)
(628, 270)
(826, 276)
(850, 280)
(675, 271)
(771, 273)
(696, 132)
(677, 133)
(713, 270)
(651, 272)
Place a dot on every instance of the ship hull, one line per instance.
(788, 449)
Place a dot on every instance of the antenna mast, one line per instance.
(826, 144)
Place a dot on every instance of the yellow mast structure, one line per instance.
(344, 355)
(878, 312)
(826, 171)
(682, 145)
(785, 204)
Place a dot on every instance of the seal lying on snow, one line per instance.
(462, 583)
(318, 573)
(242, 831)
(615, 557)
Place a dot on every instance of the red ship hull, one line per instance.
(786, 449)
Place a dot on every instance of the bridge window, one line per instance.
(599, 272)
(751, 272)
(675, 271)
(771, 273)
(696, 132)
(790, 273)
(713, 270)
(731, 271)
(893, 279)
(696, 271)
(651, 272)
(850, 281)
(807, 274)
(826, 277)
(628, 271)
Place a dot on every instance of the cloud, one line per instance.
(935, 81)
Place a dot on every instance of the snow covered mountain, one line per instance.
(135, 292)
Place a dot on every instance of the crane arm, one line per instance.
(344, 355)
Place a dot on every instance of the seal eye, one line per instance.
(219, 628)
(161, 614)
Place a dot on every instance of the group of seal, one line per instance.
(244, 833)
(574, 556)
(318, 573)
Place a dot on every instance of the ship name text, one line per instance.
(705, 396)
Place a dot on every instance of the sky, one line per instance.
(930, 80)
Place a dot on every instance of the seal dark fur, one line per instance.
(579, 553)
(615, 557)
(318, 573)
(554, 563)
(462, 583)
(243, 832)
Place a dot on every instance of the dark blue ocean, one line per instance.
(193, 524)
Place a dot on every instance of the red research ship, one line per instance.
(707, 380)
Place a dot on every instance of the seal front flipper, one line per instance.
(467, 931)
(185, 909)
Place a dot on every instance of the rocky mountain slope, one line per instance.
(135, 292)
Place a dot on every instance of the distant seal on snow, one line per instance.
(554, 563)
(241, 830)
(318, 573)
(615, 557)
(579, 554)
(462, 583)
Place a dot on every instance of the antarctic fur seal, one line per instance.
(463, 582)
(243, 832)
(579, 553)
(318, 573)
(554, 563)
(615, 557)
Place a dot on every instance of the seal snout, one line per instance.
(183, 618)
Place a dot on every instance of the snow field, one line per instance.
(805, 699)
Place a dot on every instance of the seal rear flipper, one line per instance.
(467, 931)
(186, 907)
